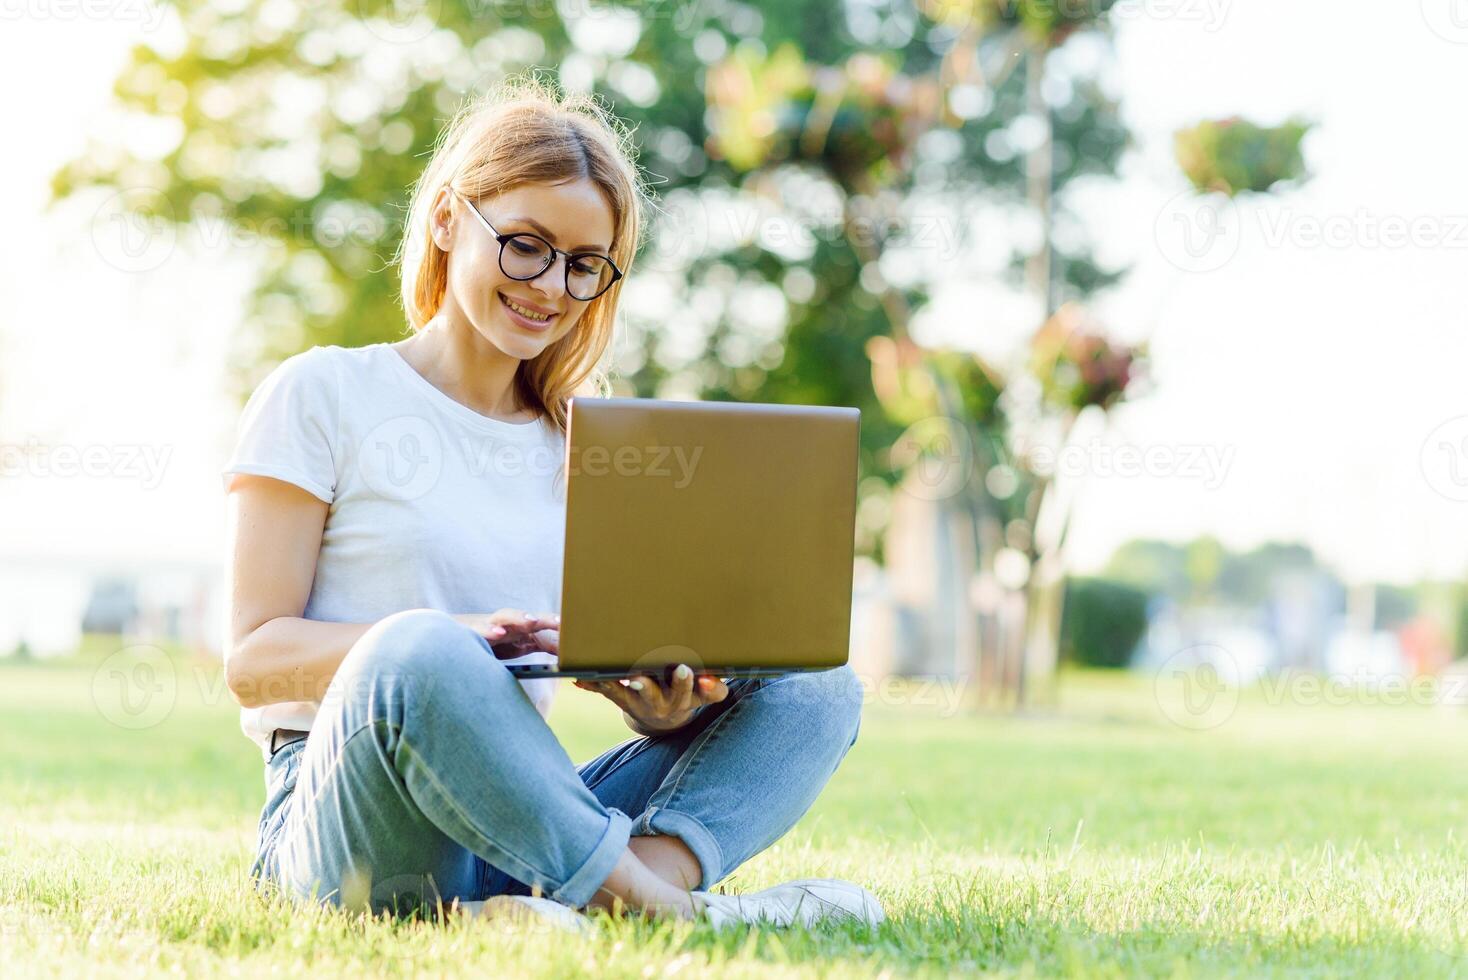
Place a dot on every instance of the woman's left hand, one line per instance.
(655, 708)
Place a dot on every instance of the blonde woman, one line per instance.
(396, 536)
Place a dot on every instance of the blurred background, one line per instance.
(1154, 310)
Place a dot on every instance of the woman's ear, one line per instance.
(441, 220)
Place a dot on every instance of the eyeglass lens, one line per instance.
(525, 257)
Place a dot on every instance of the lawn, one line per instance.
(1091, 838)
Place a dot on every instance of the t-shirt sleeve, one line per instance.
(288, 429)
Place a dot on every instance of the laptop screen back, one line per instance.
(714, 534)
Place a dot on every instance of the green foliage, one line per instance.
(1159, 567)
(1102, 622)
(1047, 23)
(977, 386)
(301, 129)
(1205, 571)
(287, 137)
(1078, 366)
(857, 121)
(1233, 155)
(1251, 578)
(1204, 560)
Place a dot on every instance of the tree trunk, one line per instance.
(1036, 659)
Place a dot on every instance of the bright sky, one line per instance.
(1301, 387)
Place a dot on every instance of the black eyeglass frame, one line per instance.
(503, 239)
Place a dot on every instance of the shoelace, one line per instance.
(789, 908)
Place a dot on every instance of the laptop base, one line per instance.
(528, 671)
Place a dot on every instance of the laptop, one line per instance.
(716, 534)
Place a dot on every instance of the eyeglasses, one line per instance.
(524, 256)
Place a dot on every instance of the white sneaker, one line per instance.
(532, 912)
(804, 902)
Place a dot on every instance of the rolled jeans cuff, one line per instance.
(587, 880)
(673, 823)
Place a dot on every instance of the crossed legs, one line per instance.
(429, 776)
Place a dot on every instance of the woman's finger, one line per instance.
(529, 641)
(522, 627)
(516, 621)
(612, 691)
(505, 617)
(649, 690)
(681, 696)
(711, 690)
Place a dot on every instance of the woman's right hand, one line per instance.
(514, 633)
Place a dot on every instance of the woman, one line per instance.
(387, 562)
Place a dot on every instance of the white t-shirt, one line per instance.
(432, 505)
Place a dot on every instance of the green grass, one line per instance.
(1091, 839)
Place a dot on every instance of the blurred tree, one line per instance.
(1231, 156)
(1204, 563)
(806, 155)
(1205, 572)
(873, 129)
(299, 129)
(1103, 622)
(1251, 578)
(1159, 567)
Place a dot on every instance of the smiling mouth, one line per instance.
(534, 316)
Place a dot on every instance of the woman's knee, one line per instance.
(829, 701)
(416, 648)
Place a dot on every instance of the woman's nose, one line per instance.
(551, 282)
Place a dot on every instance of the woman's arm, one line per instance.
(271, 654)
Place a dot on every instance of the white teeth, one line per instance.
(528, 314)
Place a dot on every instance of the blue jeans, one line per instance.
(429, 776)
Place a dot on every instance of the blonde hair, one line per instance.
(522, 132)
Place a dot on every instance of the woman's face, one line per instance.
(573, 216)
